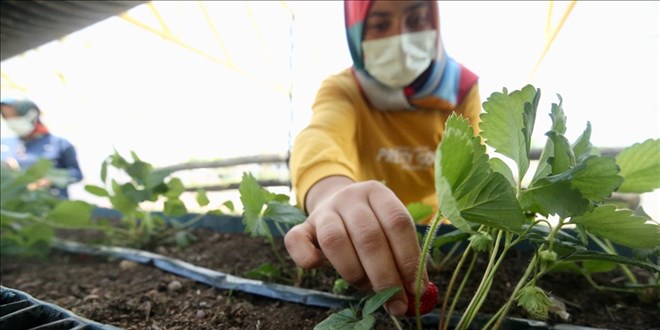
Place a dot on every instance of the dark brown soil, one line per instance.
(133, 296)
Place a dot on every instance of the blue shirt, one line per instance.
(56, 149)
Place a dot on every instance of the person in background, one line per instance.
(32, 142)
(370, 147)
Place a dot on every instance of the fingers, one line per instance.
(299, 243)
(372, 248)
(401, 235)
(375, 254)
(328, 231)
(367, 235)
(341, 250)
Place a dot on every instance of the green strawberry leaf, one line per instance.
(468, 189)
(595, 178)
(640, 167)
(558, 117)
(156, 178)
(591, 255)
(419, 211)
(582, 148)
(202, 198)
(620, 226)
(284, 213)
(507, 124)
(229, 205)
(559, 197)
(37, 232)
(139, 171)
(377, 300)
(104, 170)
(120, 201)
(449, 206)
(253, 199)
(174, 188)
(338, 321)
(493, 204)
(71, 214)
(529, 118)
(563, 158)
(501, 167)
(559, 127)
(174, 207)
(96, 190)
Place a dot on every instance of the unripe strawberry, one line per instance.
(427, 301)
(535, 302)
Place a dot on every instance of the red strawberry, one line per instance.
(427, 301)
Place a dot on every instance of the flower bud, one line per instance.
(548, 256)
(480, 242)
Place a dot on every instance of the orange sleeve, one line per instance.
(327, 145)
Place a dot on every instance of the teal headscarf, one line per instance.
(22, 106)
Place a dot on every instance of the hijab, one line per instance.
(22, 107)
(441, 87)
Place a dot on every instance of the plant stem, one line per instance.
(521, 283)
(493, 318)
(553, 232)
(430, 235)
(448, 257)
(194, 220)
(450, 286)
(483, 288)
(607, 288)
(466, 276)
(501, 314)
(396, 322)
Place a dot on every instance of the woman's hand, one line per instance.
(365, 232)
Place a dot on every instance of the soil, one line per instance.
(135, 296)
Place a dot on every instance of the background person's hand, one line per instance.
(11, 163)
(365, 232)
(39, 184)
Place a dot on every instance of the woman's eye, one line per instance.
(418, 22)
(379, 26)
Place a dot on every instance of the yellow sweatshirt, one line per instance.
(348, 137)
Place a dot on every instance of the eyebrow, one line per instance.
(410, 8)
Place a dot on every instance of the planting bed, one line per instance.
(135, 296)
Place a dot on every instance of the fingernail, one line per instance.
(397, 307)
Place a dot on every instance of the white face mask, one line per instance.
(398, 60)
(23, 125)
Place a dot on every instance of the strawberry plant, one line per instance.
(30, 217)
(486, 199)
(359, 317)
(145, 228)
(260, 205)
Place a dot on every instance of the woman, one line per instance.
(32, 142)
(370, 146)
